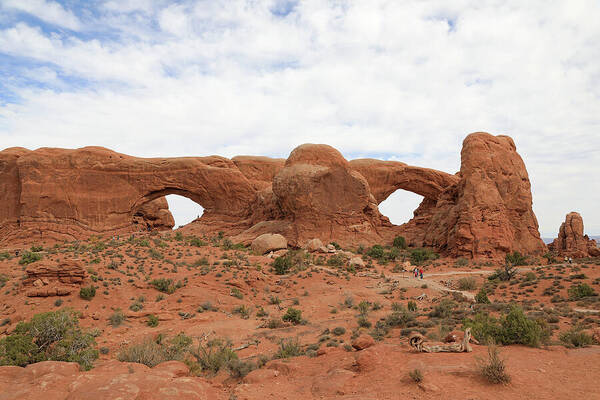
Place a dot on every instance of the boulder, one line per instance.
(363, 342)
(268, 242)
(313, 245)
(357, 262)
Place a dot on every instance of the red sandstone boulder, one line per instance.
(268, 242)
(571, 241)
(363, 342)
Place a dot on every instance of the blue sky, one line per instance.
(402, 80)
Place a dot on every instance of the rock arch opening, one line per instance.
(400, 206)
(183, 209)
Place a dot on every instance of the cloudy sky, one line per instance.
(400, 80)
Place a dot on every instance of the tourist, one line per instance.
(570, 260)
(421, 272)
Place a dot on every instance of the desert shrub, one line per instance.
(580, 291)
(195, 241)
(4, 256)
(419, 256)
(155, 254)
(50, 336)
(243, 311)
(399, 318)
(576, 337)
(29, 257)
(412, 305)
(530, 276)
(416, 375)
(58, 302)
(152, 321)
(116, 318)
(515, 258)
(376, 252)
(87, 293)
(338, 330)
(336, 260)
(163, 285)
(467, 283)
(136, 306)
(399, 242)
(274, 324)
(235, 292)
(293, 315)
(481, 297)
(512, 328)
(288, 348)
(152, 352)
(239, 369)
(282, 265)
(217, 354)
(461, 262)
(363, 307)
(493, 369)
(506, 273)
(444, 309)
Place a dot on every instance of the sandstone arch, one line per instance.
(484, 210)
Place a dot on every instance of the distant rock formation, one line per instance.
(483, 210)
(571, 241)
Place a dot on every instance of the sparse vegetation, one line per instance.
(152, 352)
(87, 293)
(49, 336)
(416, 375)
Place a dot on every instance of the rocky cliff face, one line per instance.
(571, 241)
(484, 210)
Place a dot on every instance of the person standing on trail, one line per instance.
(570, 260)
(566, 260)
(421, 272)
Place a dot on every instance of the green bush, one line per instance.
(419, 256)
(29, 257)
(376, 252)
(215, 355)
(580, 291)
(515, 258)
(50, 336)
(399, 242)
(575, 337)
(163, 285)
(336, 260)
(412, 305)
(152, 352)
(152, 321)
(288, 348)
(293, 315)
(282, 265)
(338, 330)
(87, 293)
(197, 242)
(512, 328)
(481, 297)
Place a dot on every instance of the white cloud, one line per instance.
(46, 10)
(401, 80)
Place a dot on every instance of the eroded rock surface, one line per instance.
(483, 210)
(571, 240)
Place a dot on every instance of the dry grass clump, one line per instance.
(493, 369)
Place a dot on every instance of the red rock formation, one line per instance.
(154, 215)
(484, 210)
(489, 211)
(112, 380)
(43, 279)
(571, 241)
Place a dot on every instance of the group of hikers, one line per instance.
(568, 260)
(418, 272)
